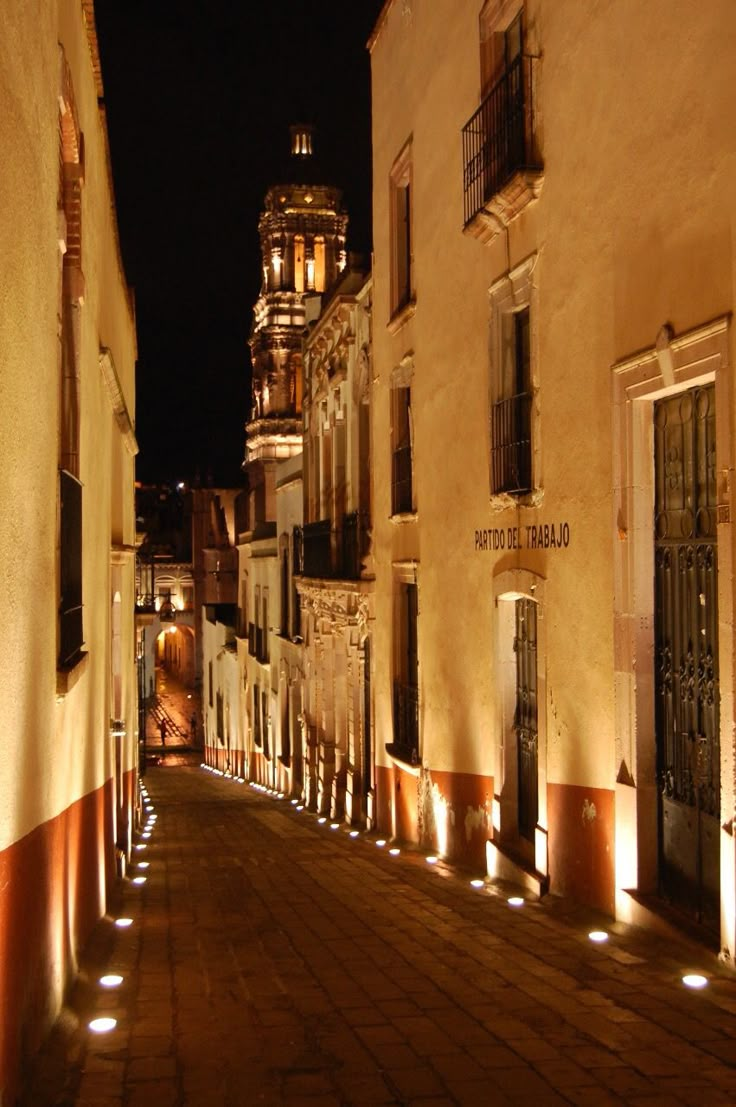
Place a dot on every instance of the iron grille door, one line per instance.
(686, 642)
(525, 718)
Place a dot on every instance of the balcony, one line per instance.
(511, 444)
(502, 172)
(405, 745)
(320, 551)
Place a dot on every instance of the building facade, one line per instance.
(67, 527)
(335, 572)
(552, 446)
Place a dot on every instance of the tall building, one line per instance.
(552, 455)
(68, 713)
(302, 231)
(334, 562)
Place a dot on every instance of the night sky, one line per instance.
(199, 98)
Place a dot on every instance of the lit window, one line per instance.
(298, 262)
(319, 263)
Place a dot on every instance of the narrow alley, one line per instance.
(274, 958)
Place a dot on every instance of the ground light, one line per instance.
(477, 883)
(354, 833)
(141, 845)
(139, 880)
(515, 901)
(598, 936)
(111, 980)
(146, 834)
(395, 851)
(380, 842)
(334, 826)
(143, 864)
(694, 980)
(321, 819)
(432, 860)
(102, 1026)
(300, 807)
(123, 922)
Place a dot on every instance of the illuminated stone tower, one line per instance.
(302, 230)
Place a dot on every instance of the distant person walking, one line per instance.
(193, 728)
(162, 728)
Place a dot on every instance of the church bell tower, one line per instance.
(302, 231)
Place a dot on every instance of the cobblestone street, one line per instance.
(273, 959)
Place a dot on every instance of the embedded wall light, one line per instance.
(111, 980)
(103, 1025)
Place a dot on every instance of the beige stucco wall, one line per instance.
(634, 228)
(58, 747)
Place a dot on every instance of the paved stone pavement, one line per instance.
(274, 960)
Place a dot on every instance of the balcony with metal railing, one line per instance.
(502, 170)
(327, 553)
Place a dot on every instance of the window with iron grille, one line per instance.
(402, 261)
(511, 430)
(70, 569)
(406, 682)
(256, 716)
(402, 485)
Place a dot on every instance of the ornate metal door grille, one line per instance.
(686, 642)
(525, 718)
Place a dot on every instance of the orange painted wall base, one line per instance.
(53, 889)
(581, 844)
(446, 812)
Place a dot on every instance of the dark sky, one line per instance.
(199, 99)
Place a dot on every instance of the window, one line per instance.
(511, 415)
(319, 263)
(298, 262)
(402, 275)
(512, 389)
(256, 716)
(502, 164)
(71, 157)
(402, 497)
(406, 681)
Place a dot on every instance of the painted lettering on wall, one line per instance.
(535, 536)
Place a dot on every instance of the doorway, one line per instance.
(687, 697)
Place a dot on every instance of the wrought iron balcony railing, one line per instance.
(498, 140)
(511, 444)
(331, 554)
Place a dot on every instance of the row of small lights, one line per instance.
(111, 980)
(599, 937)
